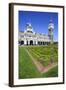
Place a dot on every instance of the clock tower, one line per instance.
(50, 31)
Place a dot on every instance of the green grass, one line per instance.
(52, 72)
(44, 53)
(27, 69)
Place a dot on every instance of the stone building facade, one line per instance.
(29, 37)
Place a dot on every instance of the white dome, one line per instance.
(51, 26)
(29, 28)
(28, 24)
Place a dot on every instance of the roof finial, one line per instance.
(50, 19)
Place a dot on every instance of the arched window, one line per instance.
(22, 42)
(31, 42)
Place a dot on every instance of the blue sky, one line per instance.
(39, 21)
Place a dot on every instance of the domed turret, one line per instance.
(29, 28)
(51, 25)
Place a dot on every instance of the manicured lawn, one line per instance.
(43, 54)
(26, 67)
(52, 72)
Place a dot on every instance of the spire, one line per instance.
(51, 24)
(51, 20)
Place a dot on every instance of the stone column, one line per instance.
(25, 42)
(36, 42)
